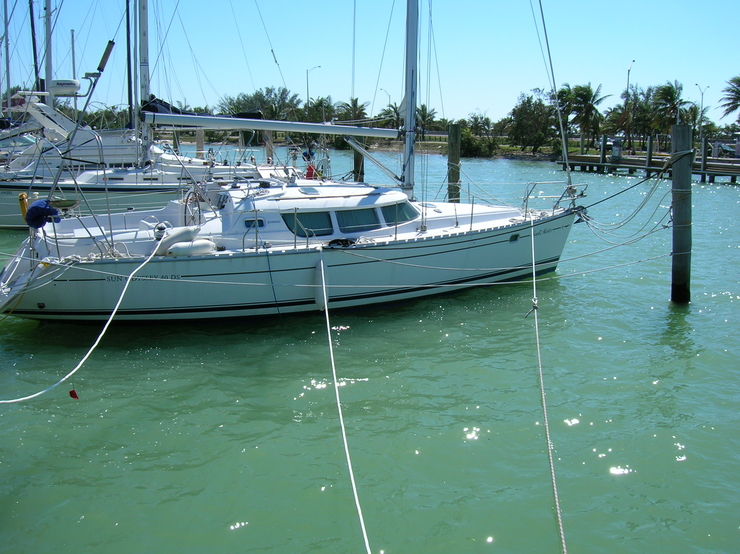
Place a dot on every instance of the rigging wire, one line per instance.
(272, 50)
(196, 63)
(436, 63)
(382, 57)
(15, 42)
(241, 42)
(550, 70)
(163, 41)
(535, 307)
(354, 40)
(339, 404)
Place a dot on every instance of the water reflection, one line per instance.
(678, 331)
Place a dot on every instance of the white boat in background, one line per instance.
(124, 189)
(105, 170)
(119, 180)
(274, 246)
(60, 143)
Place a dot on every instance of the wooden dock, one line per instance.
(708, 169)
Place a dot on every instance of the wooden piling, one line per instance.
(602, 155)
(649, 156)
(200, 142)
(269, 146)
(358, 170)
(454, 136)
(681, 193)
(704, 160)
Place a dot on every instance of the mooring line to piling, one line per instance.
(339, 404)
(95, 344)
(535, 308)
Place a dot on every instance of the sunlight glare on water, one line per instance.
(224, 436)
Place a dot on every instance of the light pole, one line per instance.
(308, 98)
(627, 109)
(701, 116)
(389, 95)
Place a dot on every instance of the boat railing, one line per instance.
(308, 232)
(570, 193)
(40, 163)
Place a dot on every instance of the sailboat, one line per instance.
(277, 245)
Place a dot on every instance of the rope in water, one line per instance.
(95, 344)
(339, 405)
(534, 310)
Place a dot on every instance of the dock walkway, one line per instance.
(709, 170)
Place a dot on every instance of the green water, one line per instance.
(225, 437)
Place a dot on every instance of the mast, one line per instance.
(128, 67)
(144, 51)
(144, 89)
(37, 76)
(412, 33)
(48, 54)
(74, 68)
(7, 59)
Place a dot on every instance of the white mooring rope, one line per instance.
(534, 309)
(95, 344)
(339, 406)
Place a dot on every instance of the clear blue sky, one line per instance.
(484, 52)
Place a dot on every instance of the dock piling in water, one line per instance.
(681, 194)
(453, 162)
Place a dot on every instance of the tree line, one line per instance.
(533, 123)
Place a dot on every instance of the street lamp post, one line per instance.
(308, 98)
(389, 95)
(627, 109)
(701, 116)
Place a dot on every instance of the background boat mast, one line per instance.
(412, 32)
(144, 89)
(48, 54)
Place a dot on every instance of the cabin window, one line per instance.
(399, 213)
(250, 223)
(311, 224)
(357, 221)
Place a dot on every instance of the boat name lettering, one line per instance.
(116, 278)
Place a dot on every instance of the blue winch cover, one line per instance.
(39, 213)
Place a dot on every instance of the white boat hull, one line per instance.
(243, 284)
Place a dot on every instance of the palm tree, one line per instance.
(585, 105)
(425, 119)
(644, 122)
(391, 114)
(731, 99)
(668, 104)
(616, 119)
(565, 98)
(273, 103)
(626, 117)
(480, 124)
(321, 109)
(352, 110)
